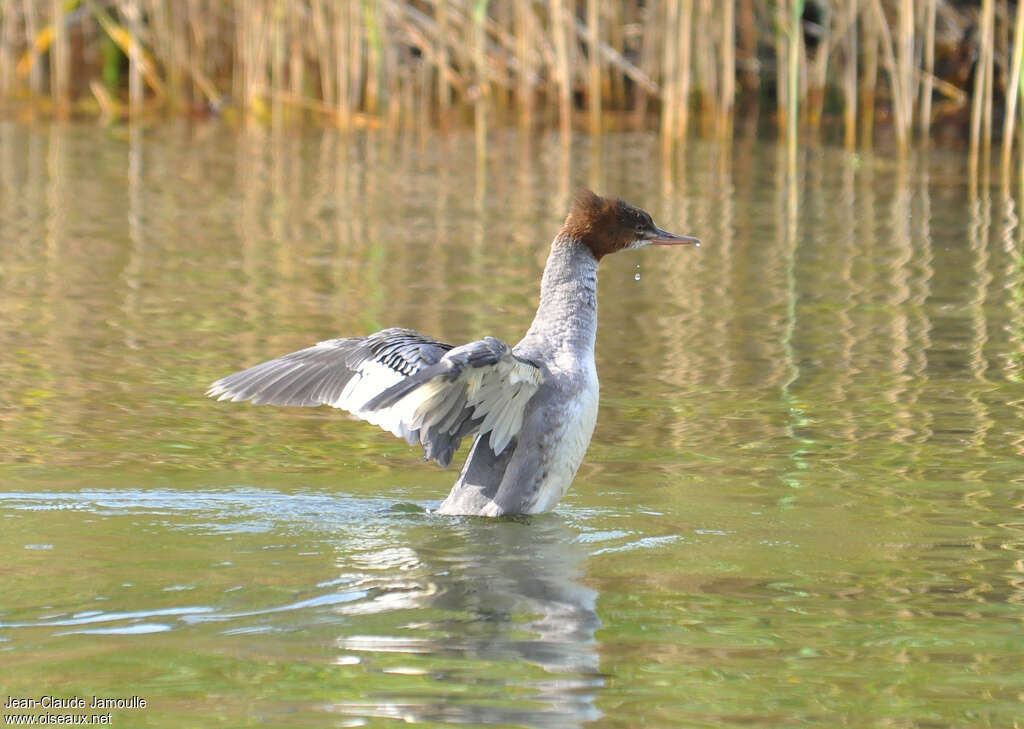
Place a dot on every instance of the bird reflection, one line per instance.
(488, 602)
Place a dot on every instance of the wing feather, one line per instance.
(415, 387)
(493, 387)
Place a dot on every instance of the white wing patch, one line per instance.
(497, 393)
(369, 380)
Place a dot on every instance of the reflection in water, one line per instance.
(460, 602)
(487, 593)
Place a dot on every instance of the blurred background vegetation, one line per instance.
(854, 70)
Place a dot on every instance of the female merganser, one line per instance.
(531, 407)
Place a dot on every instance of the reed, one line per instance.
(727, 62)
(1012, 93)
(817, 70)
(705, 67)
(525, 76)
(849, 74)
(135, 86)
(906, 72)
(8, 44)
(398, 63)
(34, 45)
(894, 72)
(561, 71)
(869, 77)
(480, 64)
(683, 70)
(781, 65)
(670, 104)
(594, 66)
(793, 41)
(929, 67)
(983, 71)
(444, 89)
(60, 59)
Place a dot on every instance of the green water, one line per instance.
(803, 505)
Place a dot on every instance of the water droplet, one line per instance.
(636, 277)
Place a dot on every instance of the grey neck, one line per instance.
(566, 320)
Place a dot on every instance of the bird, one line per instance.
(530, 408)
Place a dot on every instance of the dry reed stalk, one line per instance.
(989, 56)
(669, 74)
(593, 67)
(444, 89)
(371, 89)
(982, 71)
(929, 68)
(394, 73)
(328, 57)
(501, 63)
(781, 54)
(35, 75)
(160, 37)
(60, 62)
(792, 95)
(243, 92)
(258, 64)
(706, 67)
(728, 66)
(869, 79)
(8, 43)
(651, 42)
(615, 84)
(296, 51)
(562, 73)
(906, 69)
(817, 71)
(237, 81)
(683, 74)
(136, 90)
(342, 30)
(178, 49)
(901, 113)
(424, 93)
(277, 62)
(195, 40)
(480, 64)
(849, 46)
(524, 62)
(747, 37)
(703, 65)
(1013, 92)
(356, 57)
(181, 58)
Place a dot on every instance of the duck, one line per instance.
(530, 408)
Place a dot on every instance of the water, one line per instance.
(803, 505)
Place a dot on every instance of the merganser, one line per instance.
(531, 408)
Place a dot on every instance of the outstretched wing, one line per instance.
(480, 387)
(409, 384)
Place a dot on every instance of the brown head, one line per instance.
(607, 225)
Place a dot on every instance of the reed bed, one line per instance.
(857, 69)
